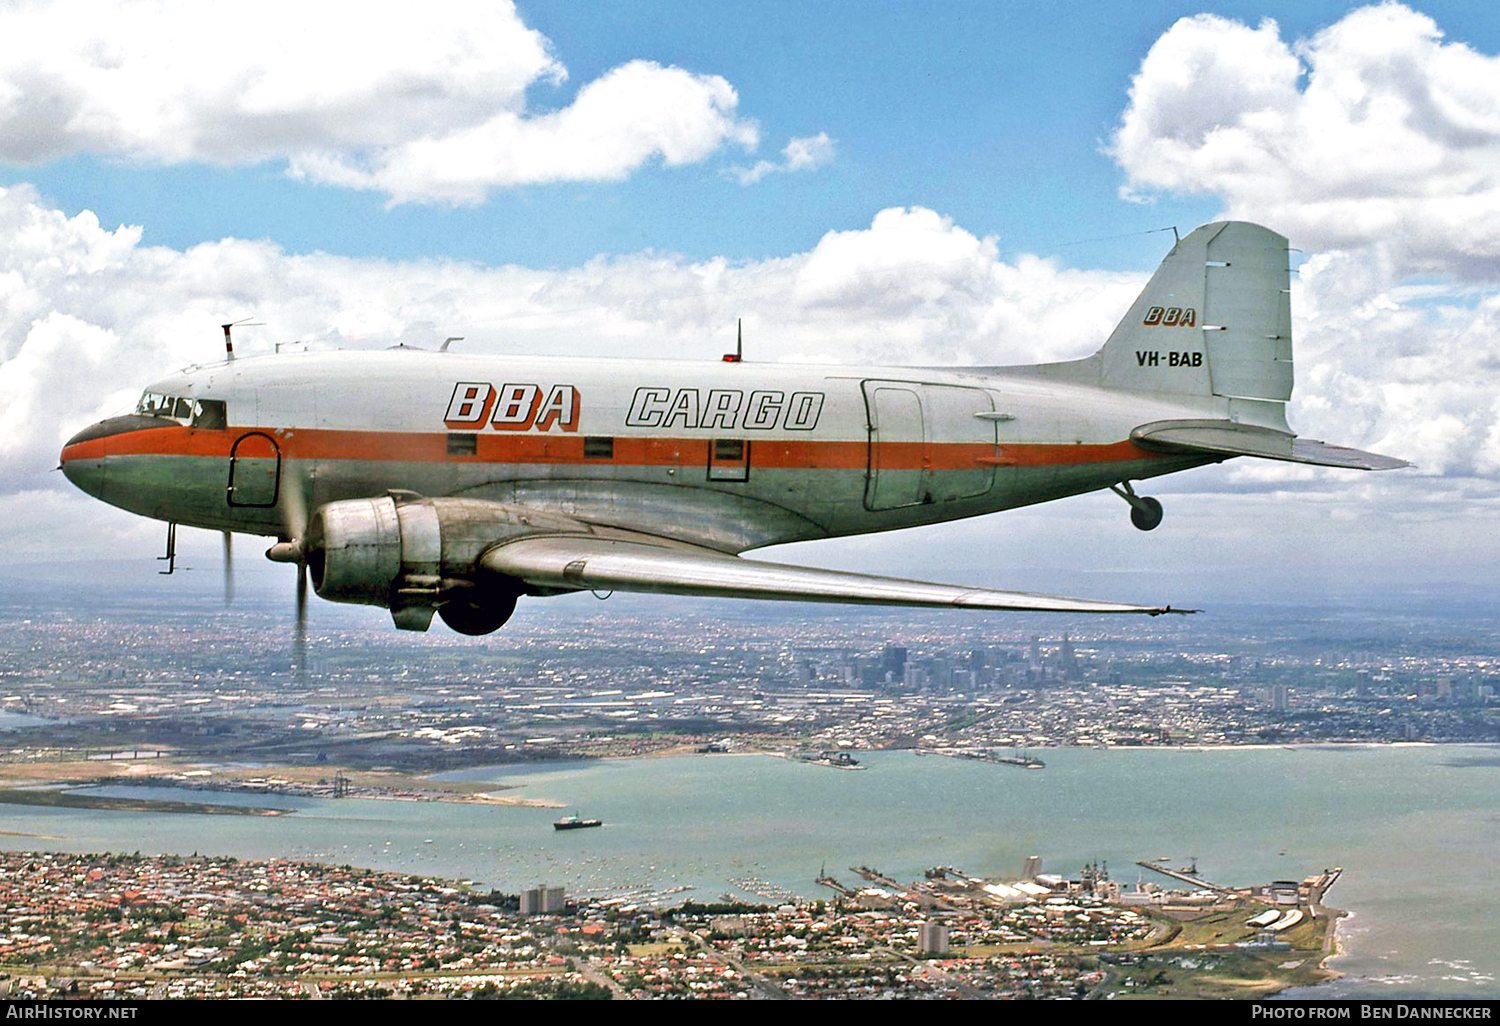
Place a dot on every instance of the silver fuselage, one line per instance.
(727, 455)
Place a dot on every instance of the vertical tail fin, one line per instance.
(1214, 320)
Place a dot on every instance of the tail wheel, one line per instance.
(474, 620)
(1147, 515)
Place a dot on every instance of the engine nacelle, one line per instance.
(415, 556)
(354, 550)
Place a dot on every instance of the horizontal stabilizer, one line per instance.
(1230, 439)
(641, 563)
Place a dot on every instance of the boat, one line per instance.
(575, 822)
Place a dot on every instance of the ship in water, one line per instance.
(575, 822)
(836, 759)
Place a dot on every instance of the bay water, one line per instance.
(1415, 828)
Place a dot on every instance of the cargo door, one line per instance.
(895, 475)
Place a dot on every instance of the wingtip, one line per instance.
(1177, 612)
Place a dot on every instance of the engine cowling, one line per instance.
(415, 555)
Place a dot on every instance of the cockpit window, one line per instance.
(203, 413)
(151, 404)
(210, 413)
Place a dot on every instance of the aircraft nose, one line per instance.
(82, 459)
(86, 475)
(84, 455)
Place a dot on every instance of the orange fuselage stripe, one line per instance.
(432, 447)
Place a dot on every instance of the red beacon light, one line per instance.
(739, 344)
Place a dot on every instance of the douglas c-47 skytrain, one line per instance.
(434, 482)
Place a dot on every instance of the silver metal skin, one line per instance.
(436, 481)
(653, 565)
(357, 550)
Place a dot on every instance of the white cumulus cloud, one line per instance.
(428, 108)
(1376, 129)
(88, 316)
(802, 154)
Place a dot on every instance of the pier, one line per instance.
(876, 876)
(1188, 878)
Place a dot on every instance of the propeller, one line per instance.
(299, 634)
(293, 504)
(228, 568)
(294, 516)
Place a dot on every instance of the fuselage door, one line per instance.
(254, 470)
(928, 443)
(896, 444)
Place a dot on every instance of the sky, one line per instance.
(924, 183)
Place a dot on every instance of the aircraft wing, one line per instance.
(576, 562)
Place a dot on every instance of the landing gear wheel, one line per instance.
(474, 620)
(1146, 516)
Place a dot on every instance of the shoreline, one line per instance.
(293, 780)
(61, 798)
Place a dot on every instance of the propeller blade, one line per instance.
(228, 567)
(293, 510)
(299, 637)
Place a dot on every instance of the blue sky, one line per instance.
(883, 182)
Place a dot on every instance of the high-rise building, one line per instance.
(1068, 659)
(932, 939)
(541, 900)
(893, 662)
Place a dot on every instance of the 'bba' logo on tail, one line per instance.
(1171, 317)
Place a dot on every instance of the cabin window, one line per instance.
(210, 414)
(598, 448)
(463, 444)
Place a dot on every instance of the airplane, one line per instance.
(432, 482)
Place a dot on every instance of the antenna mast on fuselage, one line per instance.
(229, 342)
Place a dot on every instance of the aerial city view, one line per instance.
(858, 804)
(750, 502)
